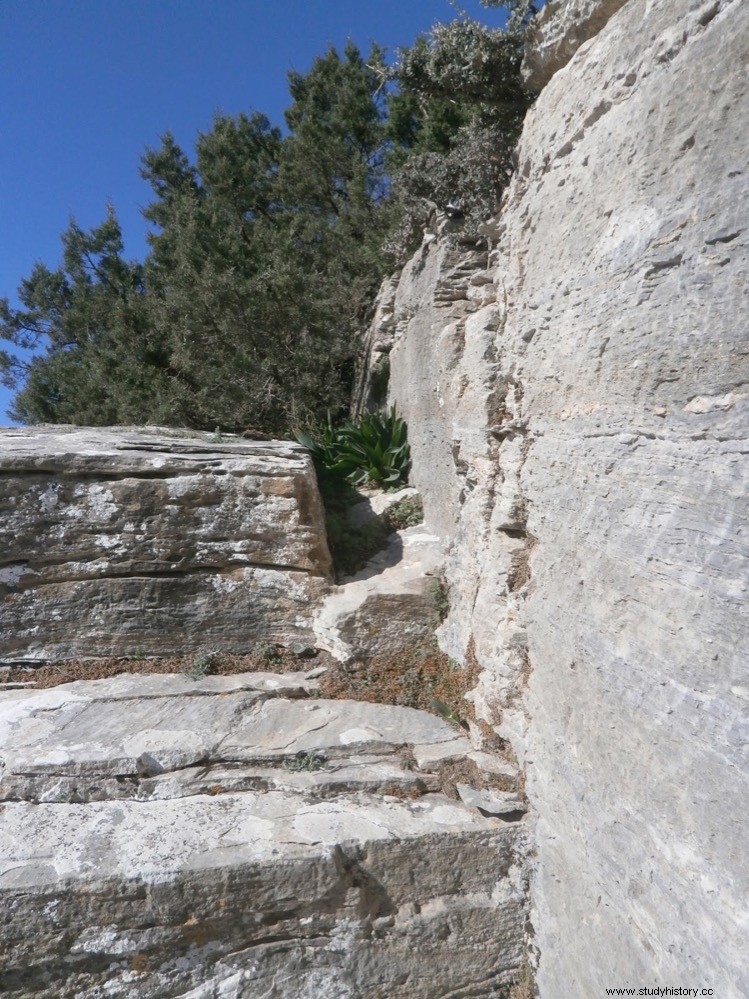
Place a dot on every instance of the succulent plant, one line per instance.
(376, 450)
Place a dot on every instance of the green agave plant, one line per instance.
(375, 450)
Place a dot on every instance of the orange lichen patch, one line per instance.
(198, 933)
(279, 486)
(140, 964)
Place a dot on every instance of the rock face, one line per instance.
(239, 837)
(123, 542)
(584, 449)
(558, 31)
(437, 292)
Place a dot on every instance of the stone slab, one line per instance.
(147, 541)
(323, 870)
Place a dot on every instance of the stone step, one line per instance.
(386, 606)
(238, 836)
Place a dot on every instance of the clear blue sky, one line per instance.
(86, 85)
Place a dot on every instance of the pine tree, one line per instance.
(266, 251)
(101, 360)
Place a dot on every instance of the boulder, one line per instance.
(154, 542)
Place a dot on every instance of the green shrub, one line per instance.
(407, 512)
(374, 451)
(302, 761)
(441, 598)
(268, 653)
(202, 665)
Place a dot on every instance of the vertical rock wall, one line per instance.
(585, 447)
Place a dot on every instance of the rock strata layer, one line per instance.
(154, 542)
(240, 837)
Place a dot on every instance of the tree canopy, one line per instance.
(267, 247)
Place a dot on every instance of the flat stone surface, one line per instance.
(148, 541)
(286, 847)
(282, 727)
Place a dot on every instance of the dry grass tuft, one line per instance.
(524, 986)
(266, 658)
(422, 677)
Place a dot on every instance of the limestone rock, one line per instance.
(503, 804)
(388, 605)
(583, 447)
(148, 541)
(433, 309)
(558, 31)
(236, 836)
(374, 370)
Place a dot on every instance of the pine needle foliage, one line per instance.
(266, 248)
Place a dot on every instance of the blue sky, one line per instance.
(86, 85)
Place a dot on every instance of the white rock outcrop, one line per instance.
(582, 444)
(558, 31)
(124, 541)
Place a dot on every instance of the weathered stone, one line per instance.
(426, 356)
(320, 871)
(376, 505)
(123, 542)
(583, 445)
(504, 804)
(389, 605)
(374, 370)
(558, 31)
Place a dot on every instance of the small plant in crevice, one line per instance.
(268, 653)
(202, 665)
(304, 761)
(448, 713)
(374, 451)
(420, 677)
(441, 597)
(524, 986)
(407, 512)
